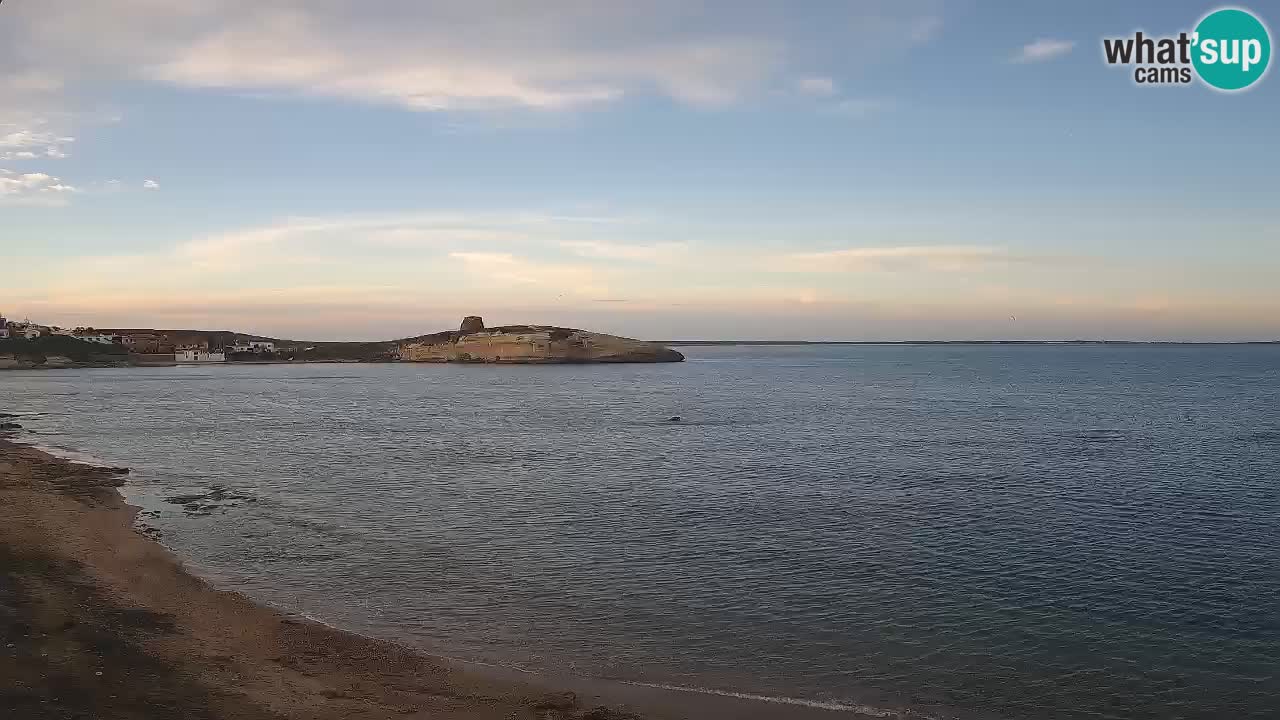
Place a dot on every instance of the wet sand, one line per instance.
(99, 621)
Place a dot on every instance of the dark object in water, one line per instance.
(674, 418)
(10, 426)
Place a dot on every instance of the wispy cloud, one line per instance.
(32, 188)
(496, 269)
(817, 86)
(657, 253)
(27, 143)
(1042, 50)
(447, 55)
(862, 107)
(317, 238)
(30, 81)
(411, 236)
(948, 258)
(150, 185)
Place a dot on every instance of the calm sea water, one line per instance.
(1012, 532)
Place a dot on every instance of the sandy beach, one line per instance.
(99, 620)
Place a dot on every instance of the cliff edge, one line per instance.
(473, 342)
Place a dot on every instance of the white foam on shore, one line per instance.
(864, 710)
(72, 456)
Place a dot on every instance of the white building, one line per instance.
(100, 338)
(199, 356)
(253, 346)
(31, 332)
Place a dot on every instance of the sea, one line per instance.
(959, 531)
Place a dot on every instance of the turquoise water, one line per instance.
(970, 531)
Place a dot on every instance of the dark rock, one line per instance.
(471, 324)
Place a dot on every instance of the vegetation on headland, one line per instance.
(471, 342)
(530, 344)
(38, 351)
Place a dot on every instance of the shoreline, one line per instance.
(101, 619)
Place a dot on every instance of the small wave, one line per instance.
(857, 709)
(75, 457)
(1270, 435)
(864, 710)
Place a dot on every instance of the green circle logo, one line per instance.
(1232, 49)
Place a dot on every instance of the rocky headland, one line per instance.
(472, 342)
(526, 344)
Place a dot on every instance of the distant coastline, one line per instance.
(694, 343)
(28, 345)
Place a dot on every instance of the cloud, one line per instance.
(25, 143)
(312, 57)
(411, 236)
(861, 107)
(923, 29)
(895, 259)
(30, 81)
(317, 238)
(554, 278)
(1043, 49)
(150, 185)
(446, 54)
(817, 85)
(658, 253)
(32, 188)
(442, 254)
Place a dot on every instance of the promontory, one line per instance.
(473, 342)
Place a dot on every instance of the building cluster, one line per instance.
(24, 329)
(151, 343)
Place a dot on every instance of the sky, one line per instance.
(856, 170)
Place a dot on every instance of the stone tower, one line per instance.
(471, 324)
